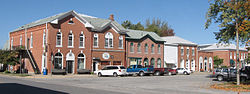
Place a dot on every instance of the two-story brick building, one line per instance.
(71, 41)
(144, 48)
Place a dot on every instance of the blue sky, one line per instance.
(186, 17)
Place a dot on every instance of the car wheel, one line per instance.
(219, 78)
(169, 73)
(99, 74)
(141, 73)
(185, 72)
(157, 73)
(115, 74)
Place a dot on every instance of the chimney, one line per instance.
(111, 17)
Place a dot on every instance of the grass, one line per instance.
(15, 74)
(231, 86)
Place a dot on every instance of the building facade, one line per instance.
(144, 48)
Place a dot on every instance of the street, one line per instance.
(177, 84)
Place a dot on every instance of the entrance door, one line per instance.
(70, 66)
(95, 66)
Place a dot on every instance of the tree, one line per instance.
(233, 19)
(217, 61)
(156, 25)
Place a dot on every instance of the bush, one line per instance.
(6, 71)
(224, 67)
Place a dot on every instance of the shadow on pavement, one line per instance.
(14, 88)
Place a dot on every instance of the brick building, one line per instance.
(71, 41)
(227, 52)
(144, 48)
(180, 53)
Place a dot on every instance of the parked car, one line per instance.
(183, 71)
(230, 74)
(158, 71)
(139, 70)
(112, 71)
(171, 71)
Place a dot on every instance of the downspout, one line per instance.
(197, 59)
(46, 44)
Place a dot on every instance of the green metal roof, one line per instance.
(138, 34)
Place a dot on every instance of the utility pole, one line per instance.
(237, 52)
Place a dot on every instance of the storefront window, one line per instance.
(81, 61)
(58, 61)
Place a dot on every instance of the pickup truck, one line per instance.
(158, 71)
(229, 74)
(139, 70)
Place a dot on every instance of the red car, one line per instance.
(171, 71)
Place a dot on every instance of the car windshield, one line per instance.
(122, 67)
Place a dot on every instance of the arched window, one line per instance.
(152, 62)
(70, 39)
(159, 63)
(182, 51)
(193, 52)
(120, 42)
(187, 52)
(146, 61)
(82, 41)
(201, 62)
(138, 47)
(146, 48)
(59, 39)
(95, 44)
(81, 61)
(159, 49)
(205, 63)
(58, 61)
(210, 63)
(109, 40)
(152, 48)
(131, 47)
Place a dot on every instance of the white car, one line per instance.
(183, 71)
(112, 71)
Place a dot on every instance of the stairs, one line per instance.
(33, 63)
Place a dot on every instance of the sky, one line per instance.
(186, 17)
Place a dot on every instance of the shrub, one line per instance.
(6, 71)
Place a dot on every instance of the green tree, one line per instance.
(217, 61)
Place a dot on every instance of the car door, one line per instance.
(103, 71)
(109, 70)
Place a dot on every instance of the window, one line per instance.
(12, 43)
(146, 48)
(70, 39)
(82, 41)
(21, 39)
(152, 62)
(234, 55)
(31, 40)
(139, 48)
(159, 63)
(182, 51)
(121, 42)
(71, 21)
(58, 61)
(187, 51)
(81, 61)
(159, 49)
(241, 55)
(231, 55)
(152, 49)
(95, 40)
(109, 40)
(44, 38)
(193, 51)
(59, 39)
(131, 47)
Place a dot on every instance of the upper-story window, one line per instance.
(187, 51)
(71, 21)
(82, 40)
(70, 39)
(193, 52)
(152, 48)
(109, 40)
(182, 51)
(21, 40)
(132, 47)
(31, 40)
(241, 55)
(95, 44)
(12, 43)
(146, 48)
(44, 37)
(120, 42)
(139, 47)
(59, 39)
(159, 49)
(231, 55)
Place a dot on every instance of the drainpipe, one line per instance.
(46, 43)
(197, 59)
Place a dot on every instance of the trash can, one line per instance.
(44, 71)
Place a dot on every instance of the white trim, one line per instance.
(60, 38)
(152, 50)
(72, 41)
(83, 41)
(12, 40)
(31, 40)
(44, 36)
(109, 36)
(120, 38)
(96, 35)
(21, 40)
(83, 61)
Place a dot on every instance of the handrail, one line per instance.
(31, 58)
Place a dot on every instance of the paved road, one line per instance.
(178, 84)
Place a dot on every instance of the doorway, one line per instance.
(69, 66)
(95, 66)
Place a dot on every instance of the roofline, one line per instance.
(220, 49)
(147, 35)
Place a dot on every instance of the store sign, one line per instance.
(105, 55)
